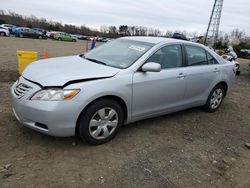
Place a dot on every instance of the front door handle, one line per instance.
(181, 76)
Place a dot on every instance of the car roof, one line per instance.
(23, 28)
(8, 25)
(156, 40)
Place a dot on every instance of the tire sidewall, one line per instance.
(88, 114)
(208, 105)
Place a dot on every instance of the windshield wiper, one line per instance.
(95, 60)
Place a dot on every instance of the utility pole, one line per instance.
(214, 23)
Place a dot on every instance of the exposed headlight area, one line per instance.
(55, 94)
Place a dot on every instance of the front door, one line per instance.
(159, 92)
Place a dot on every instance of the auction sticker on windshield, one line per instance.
(138, 48)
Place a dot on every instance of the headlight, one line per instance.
(55, 94)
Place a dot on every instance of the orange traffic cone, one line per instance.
(45, 55)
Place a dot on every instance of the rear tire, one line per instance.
(2, 34)
(60, 39)
(101, 121)
(74, 40)
(215, 99)
(40, 37)
(20, 35)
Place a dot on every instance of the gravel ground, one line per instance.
(190, 148)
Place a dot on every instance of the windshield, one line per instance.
(120, 53)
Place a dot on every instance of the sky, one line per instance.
(189, 15)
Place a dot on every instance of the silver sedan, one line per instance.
(120, 82)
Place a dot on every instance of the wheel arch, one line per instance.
(120, 101)
(225, 85)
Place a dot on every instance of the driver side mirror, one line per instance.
(151, 67)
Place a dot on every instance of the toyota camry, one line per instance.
(126, 80)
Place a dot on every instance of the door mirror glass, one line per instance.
(151, 67)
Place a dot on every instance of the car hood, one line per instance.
(64, 70)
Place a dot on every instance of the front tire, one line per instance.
(101, 121)
(215, 98)
(2, 34)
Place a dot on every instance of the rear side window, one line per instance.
(211, 59)
(196, 56)
(168, 56)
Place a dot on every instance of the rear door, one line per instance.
(159, 92)
(202, 71)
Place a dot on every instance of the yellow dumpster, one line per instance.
(25, 58)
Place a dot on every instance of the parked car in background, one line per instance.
(28, 33)
(8, 26)
(42, 31)
(4, 31)
(245, 53)
(179, 36)
(99, 39)
(74, 35)
(103, 39)
(90, 38)
(50, 34)
(81, 37)
(106, 40)
(65, 37)
(122, 81)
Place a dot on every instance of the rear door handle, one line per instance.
(181, 76)
(216, 70)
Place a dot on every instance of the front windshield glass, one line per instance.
(120, 53)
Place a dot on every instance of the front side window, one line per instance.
(196, 56)
(168, 56)
(120, 53)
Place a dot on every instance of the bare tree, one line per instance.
(237, 34)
